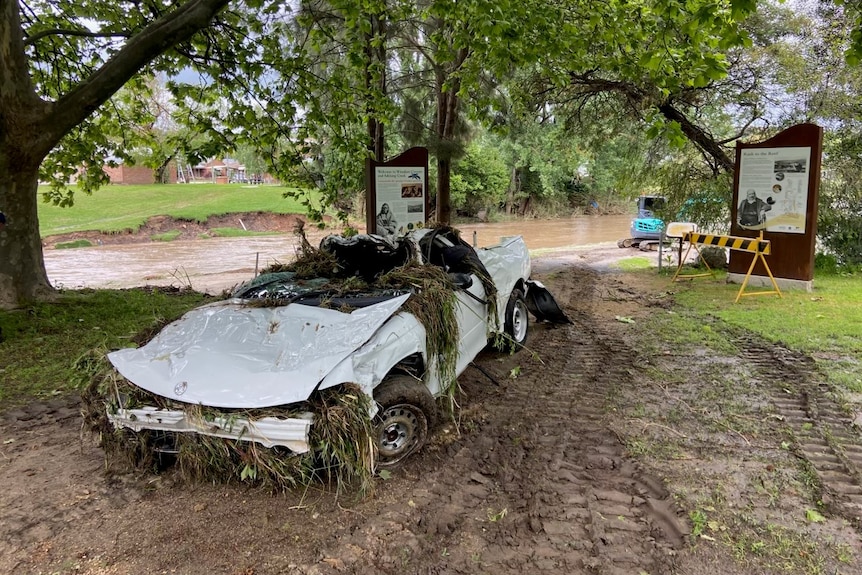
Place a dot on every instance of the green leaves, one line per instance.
(814, 516)
(299, 87)
(248, 473)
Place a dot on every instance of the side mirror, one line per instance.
(461, 280)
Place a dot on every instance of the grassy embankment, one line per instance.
(120, 208)
(824, 323)
(708, 421)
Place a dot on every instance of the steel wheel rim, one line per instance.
(519, 321)
(399, 428)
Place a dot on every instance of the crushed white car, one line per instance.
(233, 355)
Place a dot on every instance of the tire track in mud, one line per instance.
(592, 509)
(825, 437)
(540, 484)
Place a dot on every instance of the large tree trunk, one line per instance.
(30, 127)
(22, 265)
(447, 117)
(444, 154)
(23, 146)
(375, 58)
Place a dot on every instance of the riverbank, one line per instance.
(198, 259)
(181, 230)
(576, 230)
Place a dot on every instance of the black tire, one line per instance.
(407, 414)
(517, 320)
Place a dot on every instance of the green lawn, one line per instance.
(116, 208)
(826, 322)
(823, 320)
(43, 342)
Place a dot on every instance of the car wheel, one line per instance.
(407, 413)
(517, 322)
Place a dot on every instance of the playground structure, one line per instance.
(219, 171)
(185, 175)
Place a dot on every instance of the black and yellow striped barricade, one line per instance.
(758, 246)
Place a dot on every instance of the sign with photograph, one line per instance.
(400, 199)
(776, 187)
(398, 193)
(773, 189)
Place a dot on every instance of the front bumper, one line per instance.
(267, 431)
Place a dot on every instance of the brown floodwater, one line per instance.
(217, 264)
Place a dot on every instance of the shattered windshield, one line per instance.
(360, 271)
(284, 288)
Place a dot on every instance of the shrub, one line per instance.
(479, 180)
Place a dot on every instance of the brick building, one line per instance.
(124, 174)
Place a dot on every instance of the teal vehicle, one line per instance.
(646, 228)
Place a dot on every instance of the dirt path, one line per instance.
(599, 450)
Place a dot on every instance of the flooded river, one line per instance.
(217, 264)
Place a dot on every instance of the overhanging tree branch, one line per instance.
(70, 32)
(698, 136)
(171, 29)
(588, 84)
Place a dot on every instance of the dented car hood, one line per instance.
(234, 355)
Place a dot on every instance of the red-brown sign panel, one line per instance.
(397, 199)
(776, 188)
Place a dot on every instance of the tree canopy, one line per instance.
(559, 88)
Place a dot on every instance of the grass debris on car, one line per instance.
(341, 438)
(342, 446)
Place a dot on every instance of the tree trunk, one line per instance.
(444, 202)
(510, 193)
(375, 57)
(22, 265)
(160, 174)
(447, 111)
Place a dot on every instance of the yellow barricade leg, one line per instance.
(759, 255)
(734, 243)
(677, 275)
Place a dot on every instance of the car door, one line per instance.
(472, 315)
(443, 248)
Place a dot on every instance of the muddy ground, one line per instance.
(599, 450)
